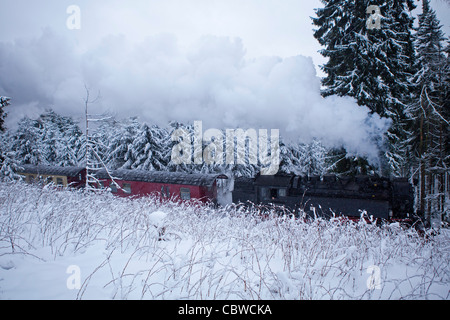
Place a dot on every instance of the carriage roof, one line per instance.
(51, 170)
(195, 179)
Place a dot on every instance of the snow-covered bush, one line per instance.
(145, 249)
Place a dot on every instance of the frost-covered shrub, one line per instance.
(145, 249)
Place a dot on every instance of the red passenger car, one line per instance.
(169, 185)
(137, 183)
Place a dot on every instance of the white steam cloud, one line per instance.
(160, 81)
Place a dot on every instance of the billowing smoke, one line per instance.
(160, 81)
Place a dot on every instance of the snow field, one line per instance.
(75, 245)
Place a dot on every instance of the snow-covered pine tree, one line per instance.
(71, 141)
(180, 167)
(314, 158)
(148, 151)
(26, 142)
(120, 153)
(8, 163)
(446, 107)
(429, 119)
(446, 115)
(290, 156)
(48, 126)
(51, 139)
(61, 139)
(303, 158)
(4, 102)
(371, 65)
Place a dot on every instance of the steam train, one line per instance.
(379, 197)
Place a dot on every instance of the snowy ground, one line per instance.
(72, 245)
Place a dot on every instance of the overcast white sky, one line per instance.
(267, 27)
(230, 62)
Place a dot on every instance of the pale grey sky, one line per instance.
(266, 27)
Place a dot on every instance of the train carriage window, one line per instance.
(165, 191)
(185, 193)
(113, 188)
(127, 188)
(264, 193)
(49, 179)
(59, 181)
(273, 193)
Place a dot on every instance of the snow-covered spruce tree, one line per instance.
(446, 106)
(9, 166)
(429, 118)
(8, 163)
(49, 136)
(119, 153)
(372, 65)
(148, 151)
(51, 139)
(315, 160)
(446, 115)
(290, 156)
(179, 167)
(71, 142)
(303, 158)
(61, 139)
(4, 102)
(26, 142)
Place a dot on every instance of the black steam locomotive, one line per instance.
(376, 197)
